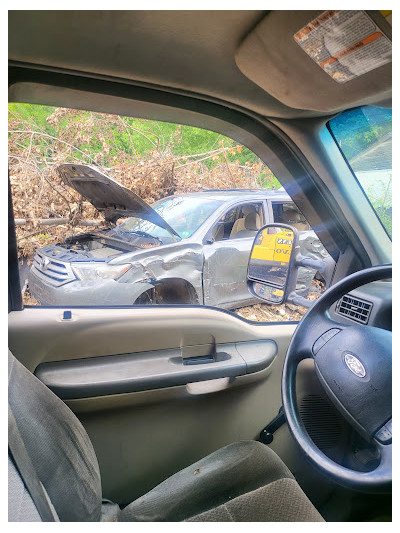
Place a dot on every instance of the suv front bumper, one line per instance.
(85, 293)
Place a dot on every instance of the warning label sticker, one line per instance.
(345, 44)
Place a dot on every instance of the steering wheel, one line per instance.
(354, 365)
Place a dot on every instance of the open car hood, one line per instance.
(109, 197)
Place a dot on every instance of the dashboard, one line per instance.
(370, 304)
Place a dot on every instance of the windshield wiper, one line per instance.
(145, 234)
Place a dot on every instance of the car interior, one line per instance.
(233, 223)
(249, 222)
(293, 217)
(188, 412)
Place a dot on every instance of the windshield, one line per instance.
(365, 138)
(184, 214)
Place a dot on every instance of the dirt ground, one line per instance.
(279, 313)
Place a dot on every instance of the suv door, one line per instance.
(227, 256)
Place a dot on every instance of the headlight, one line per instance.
(92, 271)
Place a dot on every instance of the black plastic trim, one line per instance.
(14, 287)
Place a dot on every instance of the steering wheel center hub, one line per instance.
(355, 368)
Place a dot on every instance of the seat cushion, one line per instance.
(58, 446)
(230, 472)
(279, 501)
(237, 226)
(21, 507)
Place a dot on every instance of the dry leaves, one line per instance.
(38, 192)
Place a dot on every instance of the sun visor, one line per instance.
(320, 60)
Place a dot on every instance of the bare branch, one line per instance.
(56, 222)
(54, 138)
(44, 177)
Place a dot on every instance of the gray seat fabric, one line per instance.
(229, 473)
(279, 501)
(58, 445)
(110, 512)
(230, 484)
(21, 507)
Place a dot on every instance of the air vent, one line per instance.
(354, 308)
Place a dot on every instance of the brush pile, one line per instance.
(87, 138)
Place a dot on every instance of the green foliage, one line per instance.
(34, 115)
(383, 204)
(357, 129)
(135, 138)
(364, 136)
(385, 216)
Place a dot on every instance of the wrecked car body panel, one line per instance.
(180, 261)
(144, 260)
(312, 247)
(109, 197)
(225, 270)
(147, 269)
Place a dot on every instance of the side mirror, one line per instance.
(271, 256)
(274, 262)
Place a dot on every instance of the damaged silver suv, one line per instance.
(190, 248)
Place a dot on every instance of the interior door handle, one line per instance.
(133, 372)
(198, 360)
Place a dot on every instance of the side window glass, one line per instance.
(239, 222)
(222, 229)
(365, 137)
(288, 213)
(136, 235)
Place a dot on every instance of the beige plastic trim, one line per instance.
(142, 438)
(101, 332)
(271, 58)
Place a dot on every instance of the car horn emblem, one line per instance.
(355, 365)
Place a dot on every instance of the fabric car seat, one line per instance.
(294, 218)
(244, 481)
(239, 224)
(218, 232)
(252, 223)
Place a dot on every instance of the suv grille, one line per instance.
(354, 308)
(55, 273)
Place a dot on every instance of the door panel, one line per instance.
(157, 369)
(226, 259)
(225, 272)
(143, 436)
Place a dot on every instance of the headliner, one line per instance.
(193, 51)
